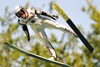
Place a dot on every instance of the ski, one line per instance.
(72, 25)
(35, 56)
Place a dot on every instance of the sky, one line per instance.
(71, 7)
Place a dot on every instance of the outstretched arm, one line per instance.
(40, 12)
(47, 14)
(25, 29)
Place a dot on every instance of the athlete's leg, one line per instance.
(42, 36)
(54, 25)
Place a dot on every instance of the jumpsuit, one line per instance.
(38, 23)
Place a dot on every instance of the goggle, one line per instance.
(20, 13)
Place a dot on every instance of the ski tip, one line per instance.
(53, 4)
(5, 43)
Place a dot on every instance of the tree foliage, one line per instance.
(94, 36)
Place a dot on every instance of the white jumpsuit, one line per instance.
(38, 23)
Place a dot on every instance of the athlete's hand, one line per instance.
(55, 17)
(76, 36)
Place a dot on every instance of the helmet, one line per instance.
(18, 8)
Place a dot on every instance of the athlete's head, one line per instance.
(19, 11)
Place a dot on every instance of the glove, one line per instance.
(55, 17)
(76, 36)
(28, 38)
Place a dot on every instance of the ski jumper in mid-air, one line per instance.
(38, 21)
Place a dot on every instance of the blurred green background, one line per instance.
(69, 49)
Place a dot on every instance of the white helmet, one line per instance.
(18, 8)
